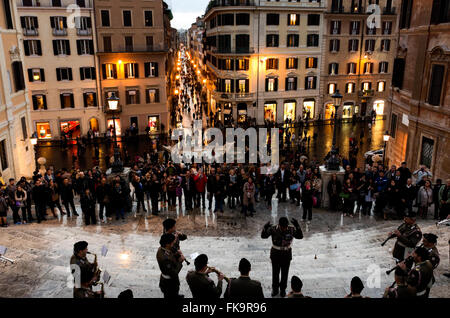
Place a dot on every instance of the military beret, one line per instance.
(166, 239)
(430, 237)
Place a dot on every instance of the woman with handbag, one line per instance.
(21, 201)
(425, 198)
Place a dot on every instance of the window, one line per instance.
(83, 25)
(152, 95)
(394, 120)
(81, 3)
(23, 123)
(333, 69)
(227, 64)
(332, 88)
(368, 68)
(151, 69)
(366, 86)
(350, 88)
(149, 42)
(383, 67)
(385, 45)
(405, 14)
(126, 18)
(313, 19)
(224, 43)
(61, 47)
(39, 102)
(67, 100)
(228, 86)
(242, 19)
(8, 15)
(85, 47)
(272, 40)
(355, 27)
(370, 45)
(335, 27)
(371, 31)
(109, 71)
(293, 19)
(291, 63)
(226, 19)
(353, 45)
(59, 25)
(36, 75)
(133, 97)
(148, 17)
(29, 25)
(426, 157)
(128, 44)
(440, 12)
(242, 86)
(398, 72)
(437, 78)
(107, 47)
(242, 64)
(312, 40)
(90, 99)
(311, 62)
(271, 84)
(19, 81)
(64, 74)
(386, 28)
(291, 83)
(273, 19)
(131, 70)
(154, 123)
(381, 86)
(292, 40)
(310, 82)
(3, 155)
(334, 45)
(32, 47)
(351, 68)
(25, 3)
(105, 18)
(242, 43)
(272, 64)
(43, 130)
(56, 3)
(87, 73)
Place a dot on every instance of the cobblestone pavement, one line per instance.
(333, 251)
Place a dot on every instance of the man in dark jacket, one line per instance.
(244, 287)
(87, 201)
(282, 177)
(102, 194)
(188, 185)
(39, 194)
(200, 284)
(67, 197)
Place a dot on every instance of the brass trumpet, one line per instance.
(214, 270)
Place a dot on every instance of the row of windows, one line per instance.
(353, 45)
(54, 3)
(271, 19)
(368, 68)
(60, 47)
(271, 84)
(128, 41)
(131, 70)
(355, 27)
(62, 74)
(126, 18)
(350, 88)
(30, 25)
(293, 40)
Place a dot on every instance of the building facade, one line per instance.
(420, 121)
(264, 59)
(60, 66)
(16, 152)
(360, 37)
(134, 56)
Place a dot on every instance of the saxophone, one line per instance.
(97, 271)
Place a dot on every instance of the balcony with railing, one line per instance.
(137, 49)
(84, 32)
(229, 3)
(366, 93)
(236, 51)
(59, 32)
(233, 96)
(30, 32)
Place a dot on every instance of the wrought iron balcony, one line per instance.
(84, 32)
(58, 32)
(30, 32)
(366, 93)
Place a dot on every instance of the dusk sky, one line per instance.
(185, 12)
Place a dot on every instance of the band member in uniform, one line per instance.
(169, 226)
(408, 235)
(281, 253)
(421, 276)
(296, 286)
(244, 287)
(87, 271)
(200, 284)
(170, 266)
(429, 241)
(400, 288)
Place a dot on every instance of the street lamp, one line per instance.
(334, 161)
(386, 139)
(33, 141)
(113, 107)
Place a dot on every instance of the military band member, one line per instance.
(296, 286)
(408, 235)
(170, 266)
(429, 241)
(87, 272)
(244, 287)
(420, 277)
(169, 226)
(201, 286)
(281, 252)
(400, 288)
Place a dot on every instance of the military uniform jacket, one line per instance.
(434, 257)
(282, 240)
(420, 277)
(411, 235)
(168, 265)
(399, 292)
(202, 286)
(244, 287)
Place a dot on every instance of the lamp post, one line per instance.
(334, 161)
(386, 138)
(33, 141)
(113, 107)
